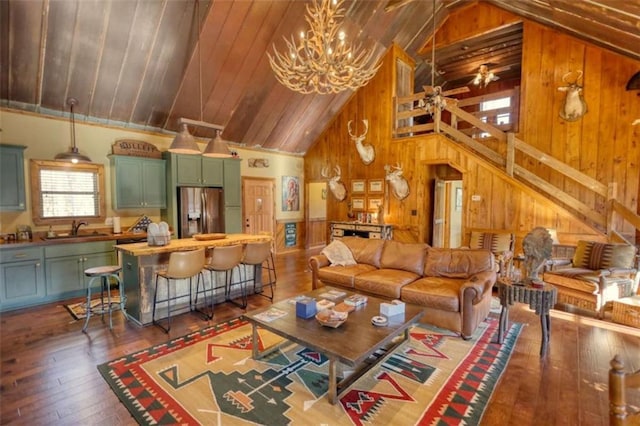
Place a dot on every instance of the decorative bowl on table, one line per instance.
(331, 318)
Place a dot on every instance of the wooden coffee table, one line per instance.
(353, 343)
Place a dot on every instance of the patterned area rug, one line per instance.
(98, 306)
(209, 377)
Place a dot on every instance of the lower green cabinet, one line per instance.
(65, 265)
(22, 280)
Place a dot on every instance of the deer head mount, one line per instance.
(366, 151)
(574, 106)
(336, 187)
(399, 185)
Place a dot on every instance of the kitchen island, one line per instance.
(140, 261)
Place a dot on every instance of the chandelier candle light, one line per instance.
(323, 62)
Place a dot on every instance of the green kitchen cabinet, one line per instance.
(138, 182)
(12, 194)
(232, 183)
(233, 220)
(22, 281)
(65, 265)
(196, 170)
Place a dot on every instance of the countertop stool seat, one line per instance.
(182, 265)
(104, 274)
(227, 259)
(260, 257)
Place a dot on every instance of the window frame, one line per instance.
(36, 166)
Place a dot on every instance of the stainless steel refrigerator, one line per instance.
(200, 211)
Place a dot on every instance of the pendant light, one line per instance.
(184, 142)
(73, 154)
(217, 147)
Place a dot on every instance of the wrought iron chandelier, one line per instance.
(322, 61)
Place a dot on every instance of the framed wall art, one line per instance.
(357, 204)
(373, 203)
(376, 186)
(358, 186)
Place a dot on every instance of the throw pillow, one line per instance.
(594, 255)
(338, 254)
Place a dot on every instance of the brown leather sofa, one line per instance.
(454, 284)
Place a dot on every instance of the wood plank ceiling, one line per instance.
(135, 63)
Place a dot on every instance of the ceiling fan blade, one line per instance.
(457, 91)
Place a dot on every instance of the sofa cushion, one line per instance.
(452, 263)
(384, 282)
(343, 275)
(403, 256)
(593, 255)
(435, 292)
(365, 250)
(581, 279)
(338, 254)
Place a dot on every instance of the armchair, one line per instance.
(500, 244)
(599, 273)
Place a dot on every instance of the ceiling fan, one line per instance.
(485, 75)
(434, 97)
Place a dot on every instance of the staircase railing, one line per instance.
(469, 127)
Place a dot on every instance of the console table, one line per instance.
(359, 229)
(541, 300)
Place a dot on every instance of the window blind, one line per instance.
(66, 193)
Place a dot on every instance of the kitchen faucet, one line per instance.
(75, 227)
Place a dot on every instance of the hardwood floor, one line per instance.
(49, 376)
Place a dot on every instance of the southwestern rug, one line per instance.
(208, 377)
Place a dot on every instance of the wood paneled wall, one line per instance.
(602, 144)
(280, 236)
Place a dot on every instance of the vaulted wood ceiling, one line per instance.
(134, 63)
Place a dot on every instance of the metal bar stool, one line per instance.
(182, 265)
(103, 274)
(226, 259)
(260, 256)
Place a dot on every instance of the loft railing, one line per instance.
(498, 144)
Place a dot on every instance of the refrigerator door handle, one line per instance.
(203, 208)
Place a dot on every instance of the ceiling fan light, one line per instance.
(184, 143)
(217, 148)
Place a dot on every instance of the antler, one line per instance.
(366, 129)
(325, 172)
(338, 172)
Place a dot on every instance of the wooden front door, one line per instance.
(259, 206)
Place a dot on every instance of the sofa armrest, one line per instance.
(316, 262)
(477, 287)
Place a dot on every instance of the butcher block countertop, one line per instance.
(184, 244)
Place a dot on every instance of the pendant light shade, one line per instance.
(217, 148)
(73, 155)
(184, 143)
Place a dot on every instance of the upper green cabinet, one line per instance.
(196, 170)
(12, 195)
(138, 182)
(232, 183)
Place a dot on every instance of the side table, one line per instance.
(541, 300)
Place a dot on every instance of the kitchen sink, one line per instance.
(68, 236)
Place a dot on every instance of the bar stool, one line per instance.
(226, 259)
(260, 256)
(103, 274)
(182, 265)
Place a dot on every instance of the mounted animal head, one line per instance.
(366, 152)
(336, 187)
(399, 185)
(574, 106)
